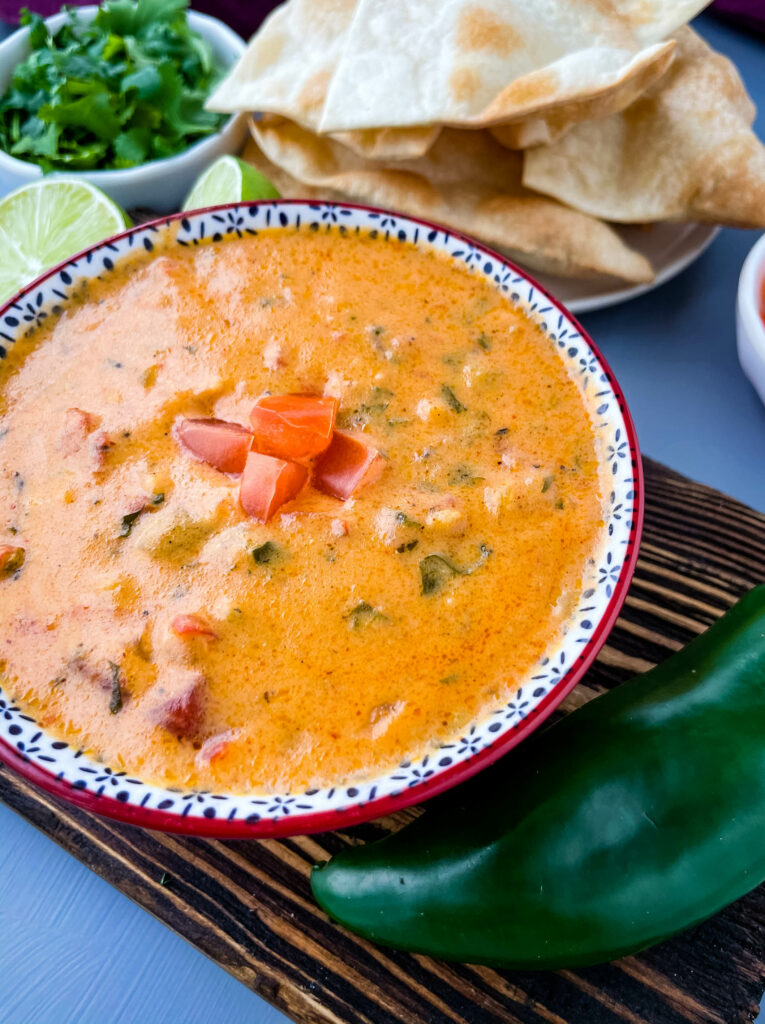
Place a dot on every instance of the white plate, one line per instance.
(669, 247)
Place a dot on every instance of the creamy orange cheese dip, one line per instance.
(347, 635)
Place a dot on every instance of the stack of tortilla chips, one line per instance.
(534, 125)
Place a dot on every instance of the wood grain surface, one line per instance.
(248, 906)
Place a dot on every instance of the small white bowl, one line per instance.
(159, 185)
(750, 329)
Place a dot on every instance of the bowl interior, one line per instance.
(70, 772)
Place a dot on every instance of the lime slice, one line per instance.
(45, 222)
(229, 180)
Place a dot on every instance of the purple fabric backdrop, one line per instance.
(748, 13)
(9, 9)
(243, 16)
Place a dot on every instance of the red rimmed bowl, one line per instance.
(70, 774)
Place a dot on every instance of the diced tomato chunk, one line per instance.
(181, 710)
(267, 483)
(214, 747)
(100, 444)
(222, 444)
(339, 528)
(347, 464)
(11, 559)
(192, 625)
(293, 426)
(77, 425)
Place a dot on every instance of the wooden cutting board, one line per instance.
(247, 905)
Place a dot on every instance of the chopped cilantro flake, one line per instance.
(115, 702)
(451, 399)
(266, 554)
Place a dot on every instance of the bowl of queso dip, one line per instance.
(307, 512)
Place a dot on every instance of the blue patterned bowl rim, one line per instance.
(68, 772)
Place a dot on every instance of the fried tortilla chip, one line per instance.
(289, 63)
(389, 143)
(393, 73)
(683, 151)
(553, 122)
(485, 63)
(467, 181)
(288, 67)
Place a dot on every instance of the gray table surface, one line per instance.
(75, 951)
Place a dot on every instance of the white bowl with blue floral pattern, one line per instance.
(70, 773)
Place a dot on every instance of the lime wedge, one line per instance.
(229, 180)
(45, 222)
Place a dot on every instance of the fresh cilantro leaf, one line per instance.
(147, 82)
(93, 113)
(38, 30)
(130, 148)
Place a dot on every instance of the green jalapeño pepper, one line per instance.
(635, 817)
